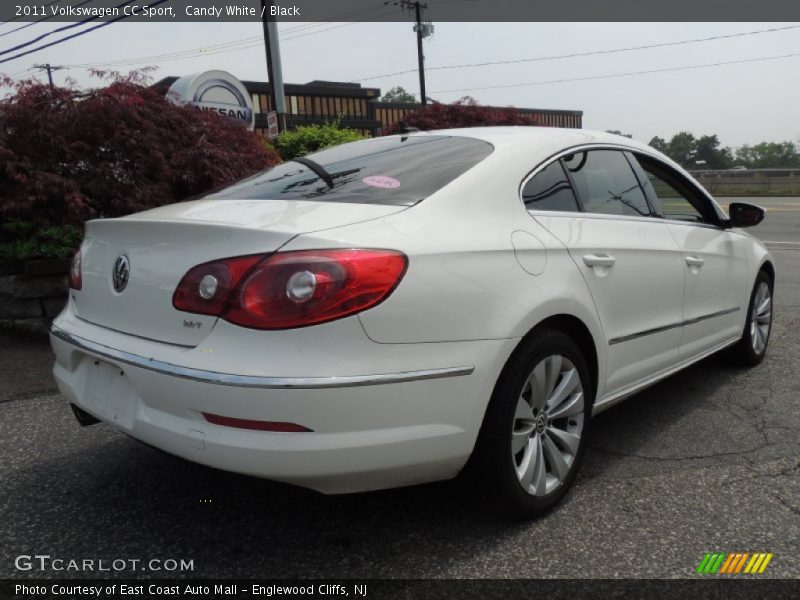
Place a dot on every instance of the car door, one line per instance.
(715, 260)
(628, 258)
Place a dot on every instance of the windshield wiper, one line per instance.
(317, 168)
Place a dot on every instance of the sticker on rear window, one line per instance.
(381, 181)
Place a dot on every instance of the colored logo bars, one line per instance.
(734, 563)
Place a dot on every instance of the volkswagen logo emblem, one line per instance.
(121, 273)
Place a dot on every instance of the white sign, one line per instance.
(217, 91)
(272, 125)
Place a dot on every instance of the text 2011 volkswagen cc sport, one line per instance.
(375, 314)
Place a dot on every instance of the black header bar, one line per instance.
(292, 11)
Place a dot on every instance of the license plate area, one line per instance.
(109, 393)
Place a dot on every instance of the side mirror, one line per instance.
(745, 215)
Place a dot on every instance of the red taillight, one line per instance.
(75, 274)
(291, 289)
(205, 288)
(297, 289)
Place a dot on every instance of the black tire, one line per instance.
(744, 352)
(495, 464)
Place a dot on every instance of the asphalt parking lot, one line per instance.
(706, 460)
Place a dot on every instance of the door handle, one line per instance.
(599, 260)
(694, 261)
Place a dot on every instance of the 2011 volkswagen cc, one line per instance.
(375, 314)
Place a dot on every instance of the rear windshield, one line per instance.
(392, 170)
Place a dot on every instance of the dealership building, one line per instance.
(359, 108)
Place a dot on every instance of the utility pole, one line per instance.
(49, 68)
(423, 30)
(274, 70)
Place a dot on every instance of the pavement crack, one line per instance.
(678, 458)
(786, 504)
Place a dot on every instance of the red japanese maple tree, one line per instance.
(68, 155)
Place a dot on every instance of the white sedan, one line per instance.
(380, 313)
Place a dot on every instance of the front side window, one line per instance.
(676, 200)
(549, 189)
(606, 183)
(392, 170)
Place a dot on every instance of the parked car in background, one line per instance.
(379, 313)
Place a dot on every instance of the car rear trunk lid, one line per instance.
(161, 245)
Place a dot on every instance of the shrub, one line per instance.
(67, 156)
(310, 138)
(26, 239)
(462, 113)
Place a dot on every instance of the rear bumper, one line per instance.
(370, 431)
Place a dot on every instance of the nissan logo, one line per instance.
(214, 91)
(121, 273)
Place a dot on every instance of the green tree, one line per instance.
(659, 144)
(398, 94)
(707, 149)
(310, 138)
(681, 148)
(768, 155)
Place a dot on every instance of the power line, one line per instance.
(18, 17)
(629, 74)
(587, 53)
(232, 46)
(79, 33)
(120, 63)
(58, 29)
(31, 24)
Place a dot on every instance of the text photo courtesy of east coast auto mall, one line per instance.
(399, 299)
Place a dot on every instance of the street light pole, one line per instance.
(274, 70)
(420, 55)
(422, 32)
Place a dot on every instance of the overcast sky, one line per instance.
(742, 103)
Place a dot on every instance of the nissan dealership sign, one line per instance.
(217, 91)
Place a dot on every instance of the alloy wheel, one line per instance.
(548, 424)
(761, 318)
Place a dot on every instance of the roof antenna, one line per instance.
(406, 128)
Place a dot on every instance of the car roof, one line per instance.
(535, 135)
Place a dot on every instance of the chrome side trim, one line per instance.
(692, 321)
(253, 381)
(719, 313)
(646, 332)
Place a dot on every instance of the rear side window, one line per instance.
(606, 183)
(392, 170)
(549, 189)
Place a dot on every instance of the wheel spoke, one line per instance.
(540, 471)
(763, 307)
(519, 438)
(758, 341)
(573, 406)
(569, 441)
(538, 383)
(553, 370)
(764, 319)
(524, 410)
(526, 468)
(569, 381)
(558, 465)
